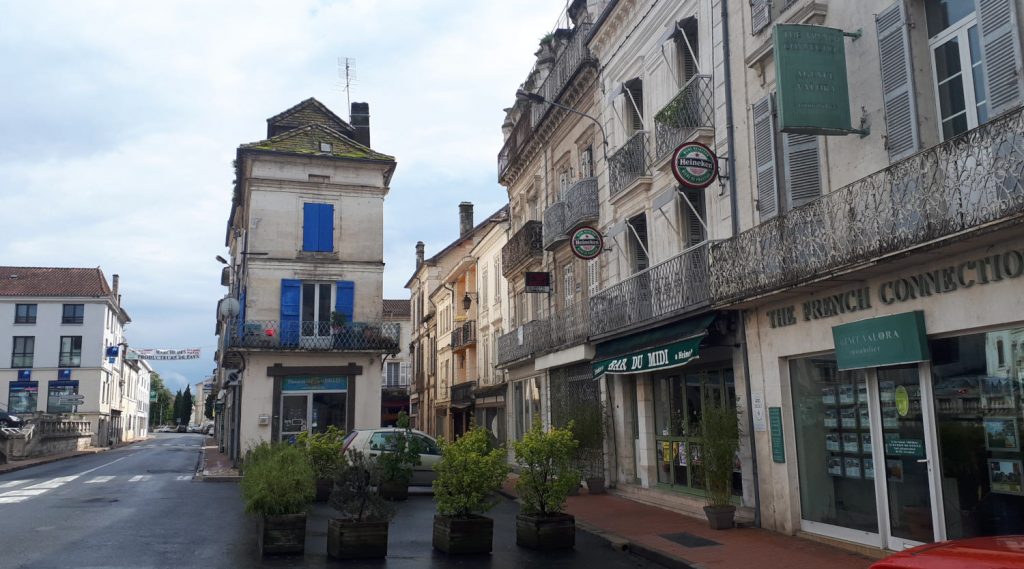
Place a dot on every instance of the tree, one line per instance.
(177, 406)
(161, 410)
(208, 406)
(186, 406)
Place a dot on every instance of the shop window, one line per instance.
(526, 404)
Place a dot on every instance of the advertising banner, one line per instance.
(159, 354)
(23, 397)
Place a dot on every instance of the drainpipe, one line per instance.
(741, 330)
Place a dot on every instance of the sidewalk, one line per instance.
(659, 535)
(215, 466)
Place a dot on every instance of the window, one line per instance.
(693, 227)
(686, 50)
(24, 349)
(587, 162)
(394, 374)
(319, 179)
(634, 91)
(564, 181)
(73, 314)
(639, 253)
(483, 288)
(25, 314)
(316, 309)
(526, 401)
(318, 227)
(569, 284)
(326, 147)
(955, 47)
(497, 282)
(70, 351)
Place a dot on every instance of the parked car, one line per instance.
(1001, 552)
(8, 420)
(164, 429)
(375, 441)
(182, 429)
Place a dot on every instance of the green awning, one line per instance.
(665, 356)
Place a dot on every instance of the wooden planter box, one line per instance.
(463, 535)
(546, 533)
(357, 540)
(391, 490)
(282, 535)
(323, 489)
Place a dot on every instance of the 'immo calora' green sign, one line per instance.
(812, 93)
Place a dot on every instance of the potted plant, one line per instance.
(398, 460)
(338, 321)
(470, 471)
(277, 487)
(546, 475)
(720, 428)
(361, 530)
(324, 452)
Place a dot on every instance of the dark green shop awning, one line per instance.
(666, 347)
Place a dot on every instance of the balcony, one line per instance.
(462, 393)
(526, 244)
(628, 163)
(554, 225)
(463, 335)
(569, 326)
(524, 341)
(518, 138)
(672, 287)
(313, 336)
(572, 58)
(965, 183)
(583, 206)
(693, 108)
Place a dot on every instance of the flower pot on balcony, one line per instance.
(357, 540)
(471, 534)
(546, 533)
(282, 535)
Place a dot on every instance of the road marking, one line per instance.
(100, 480)
(101, 466)
(12, 499)
(54, 483)
(14, 483)
(185, 477)
(25, 493)
(139, 478)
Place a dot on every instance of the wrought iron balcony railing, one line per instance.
(526, 244)
(573, 56)
(692, 108)
(675, 286)
(554, 224)
(525, 340)
(317, 336)
(583, 206)
(462, 393)
(964, 183)
(569, 326)
(464, 334)
(520, 134)
(628, 163)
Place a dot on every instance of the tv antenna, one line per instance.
(347, 71)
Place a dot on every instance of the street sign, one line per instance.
(538, 282)
(71, 400)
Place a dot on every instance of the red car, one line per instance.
(1002, 552)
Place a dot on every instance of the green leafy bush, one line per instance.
(355, 490)
(546, 473)
(402, 454)
(323, 450)
(470, 471)
(721, 439)
(278, 480)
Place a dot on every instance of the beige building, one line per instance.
(302, 330)
(489, 409)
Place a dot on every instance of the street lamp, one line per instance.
(524, 95)
(222, 260)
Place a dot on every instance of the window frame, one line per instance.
(30, 316)
(29, 353)
(74, 318)
(73, 357)
(959, 30)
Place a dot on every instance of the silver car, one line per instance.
(372, 442)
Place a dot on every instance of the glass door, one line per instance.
(294, 416)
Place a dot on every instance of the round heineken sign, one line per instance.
(694, 165)
(587, 243)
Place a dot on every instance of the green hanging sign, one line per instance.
(812, 93)
(887, 340)
(670, 355)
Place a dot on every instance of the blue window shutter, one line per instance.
(291, 294)
(326, 225)
(345, 301)
(310, 226)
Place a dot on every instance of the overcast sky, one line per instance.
(120, 121)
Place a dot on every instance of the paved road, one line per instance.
(137, 507)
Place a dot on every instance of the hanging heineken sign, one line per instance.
(586, 243)
(694, 165)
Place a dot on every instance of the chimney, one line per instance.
(116, 280)
(360, 119)
(419, 254)
(465, 218)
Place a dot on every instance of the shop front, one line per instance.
(905, 399)
(311, 404)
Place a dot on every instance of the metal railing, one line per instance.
(692, 108)
(572, 57)
(521, 133)
(554, 224)
(671, 287)
(628, 163)
(462, 393)
(523, 341)
(583, 205)
(964, 183)
(316, 336)
(569, 326)
(464, 334)
(527, 243)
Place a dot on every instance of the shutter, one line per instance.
(639, 239)
(325, 241)
(802, 169)
(764, 158)
(404, 379)
(310, 227)
(344, 301)
(902, 137)
(635, 105)
(694, 228)
(593, 277)
(569, 284)
(1000, 54)
(291, 295)
(760, 15)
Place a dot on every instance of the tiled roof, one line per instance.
(396, 307)
(308, 112)
(307, 139)
(53, 281)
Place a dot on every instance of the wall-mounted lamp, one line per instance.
(467, 301)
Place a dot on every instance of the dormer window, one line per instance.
(326, 147)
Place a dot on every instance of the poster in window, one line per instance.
(59, 394)
(848, 418)
(862, 392)
(865, 443)
(23, 397)
(851, 443)
(666, 455)
(869, 468)
(865, 420)
(852, 466)
(831, 418)
(828, 395)
(835, 465)
(1001, 434)
(887, 391)
(832, 442)
(890, 417)
(894, 469)
(846, 394)
(682, 454)
(1004, 477)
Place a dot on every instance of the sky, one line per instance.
(120, 121)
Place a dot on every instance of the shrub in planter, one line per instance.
(278, 486)
(588, 428)
(720, 429)
(361, 530)
(546, 476)
(324, 452)
(398, 460)
(470, 471)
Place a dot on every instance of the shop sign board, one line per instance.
(882, 341)
(757, 409)
(586, 243)
(778, 441)
(538, 282)
(813, 95)
(665, 356)
(694, 165)
(895, 446)
(314, 383)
